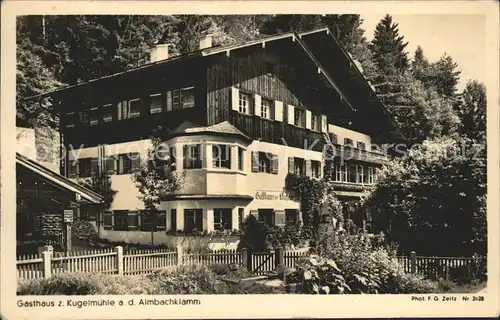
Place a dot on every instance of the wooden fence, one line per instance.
(135, 262)
(436, 267)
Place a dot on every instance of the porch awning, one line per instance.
(57, 179)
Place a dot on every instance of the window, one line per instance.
(244, 104)
(300, 117)
(334, 138)
(173, 161)
(221, 156)
(147, 221)
(266, 216)
(72, 169)
(366, 173)
(94, 116)
(192, 156)
(360, 174)
(315, 168)
(110, 165)
(315, 123)
(155, 101)
(132, 220)
(371, 178)
(128, 163)
(161, 221)
(107, 113)
(240, 159)
(338, 172)
(121, 220)
(223, 219)
(93, 212)
(180, 98)
(94, 166)
(173, 219)
(348, 142)
(84, 166)
(352, 176)
(70, 120)
(291, 216)
(241, 212)
(266, 109)
(299, 166)
(193, 220)
(264, 162)
(361, 145)
(134, 108)
(84, 117)
(187, 97)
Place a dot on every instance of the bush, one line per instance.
(370, 268)
(83, 230)
(62, 284)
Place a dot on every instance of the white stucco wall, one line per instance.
(25, 143)
(346, 133)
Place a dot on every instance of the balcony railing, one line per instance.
(350, 153)
(349, 186)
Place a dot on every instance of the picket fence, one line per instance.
(135, 262)
(434, 267)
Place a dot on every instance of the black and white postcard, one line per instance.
(249, 159)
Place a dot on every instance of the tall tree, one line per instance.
(420, 67)
(346, 28)
(388, 47)
(445, 76)
(472, 111)
(156, 180)
(288, 22)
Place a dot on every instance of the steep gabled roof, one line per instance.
(57, 179)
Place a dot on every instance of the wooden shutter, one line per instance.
(107, 219)
(324, 123)
(278, 111)
(235, 98)
(291, 114)
(110, 165)
(119, 111)
(308, 168)
(255, 161)
(169, 100)
(132, 220)
(291, 165)
(257, 105)
(308, 119)
(274, 164)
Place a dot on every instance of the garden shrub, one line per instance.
(368, 267)
(62, 284)
(83, 230)
(190, 279)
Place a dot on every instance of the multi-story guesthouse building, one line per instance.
(241, 117)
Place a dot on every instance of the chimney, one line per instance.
(159, 52)
(205, 42)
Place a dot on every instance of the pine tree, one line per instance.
(388, 47)
(472, 111)
(445, 76)
(346, 28)
(291, 22)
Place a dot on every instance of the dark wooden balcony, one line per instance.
(348, 186)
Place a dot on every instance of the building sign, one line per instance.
(273, 195)
(68, 216)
